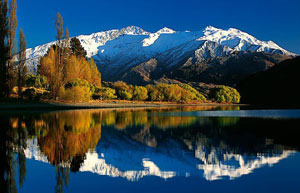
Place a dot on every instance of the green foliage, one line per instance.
(154, 93)
(198, 95)
(125, 95)
(76, 48)
(38, 81)
(105, 93)
(124, 91)
(75, 94)
(173, 93)
(159, 92)
(187, 96)
(140, 93)
(226, 94)
(77, 91)
(81, 83)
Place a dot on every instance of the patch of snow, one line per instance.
(131, 45)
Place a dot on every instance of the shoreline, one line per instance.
(54, 105)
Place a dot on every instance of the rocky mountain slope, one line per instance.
(210, 55)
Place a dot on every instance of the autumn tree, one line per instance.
(79, 67)
(140, 93)
(225, 94)
(11, 43)
(65, 62)
(123, 90)
(21, 67)
(95, 74)
(58, 80)
(53, 64)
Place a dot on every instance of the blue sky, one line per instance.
(277, 20)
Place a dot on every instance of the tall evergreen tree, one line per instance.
(4, 89)
(77, 49)
(21, 67)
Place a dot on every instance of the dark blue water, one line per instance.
(151, 150)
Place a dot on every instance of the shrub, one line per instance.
(140, 93)
(125, 95)
(198, 95)
(29, 93)
(171, 92)
(123, 91)
(226, 94)
(77, 94)
(154, 94)
(38, 81)
(81, 83)
(77, 90)
(187, 95)
(105, 93)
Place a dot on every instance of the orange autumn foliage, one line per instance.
(69, 134)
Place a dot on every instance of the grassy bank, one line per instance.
(15, 104)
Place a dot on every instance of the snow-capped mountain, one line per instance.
(138, 162)
(118, 51)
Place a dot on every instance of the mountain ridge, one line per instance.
(118, 51)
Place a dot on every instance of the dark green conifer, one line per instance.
(77, 49)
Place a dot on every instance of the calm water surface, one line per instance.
(188, 149)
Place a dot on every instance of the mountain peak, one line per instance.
(146, 44)
(211, 28)
(133, 30)
(166, 30)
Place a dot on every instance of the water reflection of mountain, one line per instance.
(173, 158)
(133, 144)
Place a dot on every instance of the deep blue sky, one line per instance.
(277, 20)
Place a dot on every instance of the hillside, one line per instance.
(210, 55)
(276, 86)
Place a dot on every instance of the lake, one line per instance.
(178, 149)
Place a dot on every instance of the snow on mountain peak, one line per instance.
(154, 36)
(166, 30)
(211, 166)
(240, 41)
(163, 39)
(133, 30)
(211, 29)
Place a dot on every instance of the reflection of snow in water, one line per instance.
(33, 151)
(234, 165)
(230, 165)
(97, 165)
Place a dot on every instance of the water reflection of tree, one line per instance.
(222, 134)
(123, 119)
(12, 139)
(66, 138)
(69, 135)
